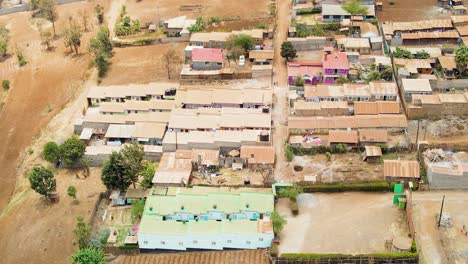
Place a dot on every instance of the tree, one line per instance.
(72, 150)
(171, 57)
(373, 76)
(100, 48)
(82, 232)
(387, 73)
(42, 181)
(6, 85)
(299, 81)
(147, 173)
(198, 26)
(302, 31)
(461, 57)
(133, 156)
(404, 54)
(91, 255)
(354, 8)
(51, 152)
(102, 64)
(342, 79)
(114, 173)
(291, 192)
(4, 39)
(278, 222)
(244, 41)
(267, 177)
(71, 191)
(288, 51)
(72, 36)
(317, 30)
(46, 38)
(421, 55)
(125, 25)
(99, 11)
(48, 11)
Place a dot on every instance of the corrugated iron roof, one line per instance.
(401, 168)
(258, 154)
(373, 135)
(343, 136)
(373, 151)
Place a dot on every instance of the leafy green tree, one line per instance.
(42, 181)
(198, 26)
(302, 31)
(317, 30)
(373, 76)
(354, 8)
(51, 152)
(48, 10)
(148, 173)
(82, 232)
(72, 150)
(133, 156)
(72, 36)
(6, 85)
(244, 41)
(125, 25)
(115, 173)
(278, 222)
(102, 64)
(342, 79)
(71, 191)
(461, 56)
(4, 39)
(291, 192)
(100, 48)
(138, 207)
(421, 55)
(299, 81)
(288, 51)
(403, 54)
(91, 255)
(387, 73)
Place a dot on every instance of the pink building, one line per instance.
(311, 72)
(334, 65)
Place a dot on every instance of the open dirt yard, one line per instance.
(141, 64)
(39, 89)
(441, 245)
(450, 130)
(404, 11)
(150, 11)
(348, 223)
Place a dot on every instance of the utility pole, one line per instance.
(441, 208)
(425, 129)
(417, 134)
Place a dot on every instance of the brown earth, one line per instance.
(141, 64)
(403, 10)
(226, 26)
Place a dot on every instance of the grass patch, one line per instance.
(390, 156)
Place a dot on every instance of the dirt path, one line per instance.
(113, 14)
(433, 246)
(280, 108)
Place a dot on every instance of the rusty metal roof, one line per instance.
(401, 168)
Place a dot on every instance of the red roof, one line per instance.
(207, 55)
(304, 68)
(336, 60)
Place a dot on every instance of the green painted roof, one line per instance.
(198, 200)
(154, 225)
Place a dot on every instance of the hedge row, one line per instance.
(299, 256)
(349, 187)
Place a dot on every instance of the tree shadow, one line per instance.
(6, 57)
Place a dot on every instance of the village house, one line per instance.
(360, 45)
(174, 169)
(258, 157)
(334, 65)
(401, 170)
(322, 108)
(261, 57)
(207, 59)
(321, 124)
(139, 92)
(372, 154)
(309, 43)
(310, 72)
(134, 106)
(412, 87)
(349, 138)
(449, 66)
(178, 26)
(335, 12)
(206, 218)
(376, 108)
(438, 105)
(414, 68)
(352, 92)
(142, 132)
(215, 97)
(369, 137)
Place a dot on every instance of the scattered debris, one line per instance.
(437, 155)
(446, 220)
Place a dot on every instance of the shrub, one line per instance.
(294, 207)
(262, 25)
(289, 153)
(291, 192)
(6, 85)
(277, 221)
(384, 147)
(274, 250)
(311, 256)
(51, 152)
(42, 181)
(90, 255)
(71, 191)
(299, 81)
(212, 20)
(72, 150)
(198, 26)
(348, 187)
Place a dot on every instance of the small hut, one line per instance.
(373, 154)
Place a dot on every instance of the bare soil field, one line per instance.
(404, 11)
(38, 90)
(347, 223)
(152, 11)
(451, 130)
(141, 64)
(441, 245)
(226, 26)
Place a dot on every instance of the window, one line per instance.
(229, 241)
(213, 243)
(247, 242)
(260, 239)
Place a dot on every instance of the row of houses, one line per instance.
(352, 92)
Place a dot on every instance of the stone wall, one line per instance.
(437, 111)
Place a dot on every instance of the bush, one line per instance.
(289, 152)
(274, 250)
(384, 147)
(198, 26)
(6, 85)
(72, 150)
(125, 25)
(277, 221)
(99, 239)
(51, 152)
(261, 25)
(348, 187)
(291, 192)
(137, 209)
(212, 20)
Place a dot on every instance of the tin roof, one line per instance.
(258, 154)
(401, 168)
(343, 136)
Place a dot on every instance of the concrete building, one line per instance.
(322, 108)
(438, 105)
(449, 174)
(206, 218)
(335, 12)
(335, 64)
(412, 87)
(178, 26)
(207, 59)
(258, 157)
(361, 45)
(352, 92)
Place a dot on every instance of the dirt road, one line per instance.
(441, 245)
(280, 107)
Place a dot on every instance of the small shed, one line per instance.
(401, 170)
(372, 154)
(135, 194)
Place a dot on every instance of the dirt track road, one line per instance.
(280, 107)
